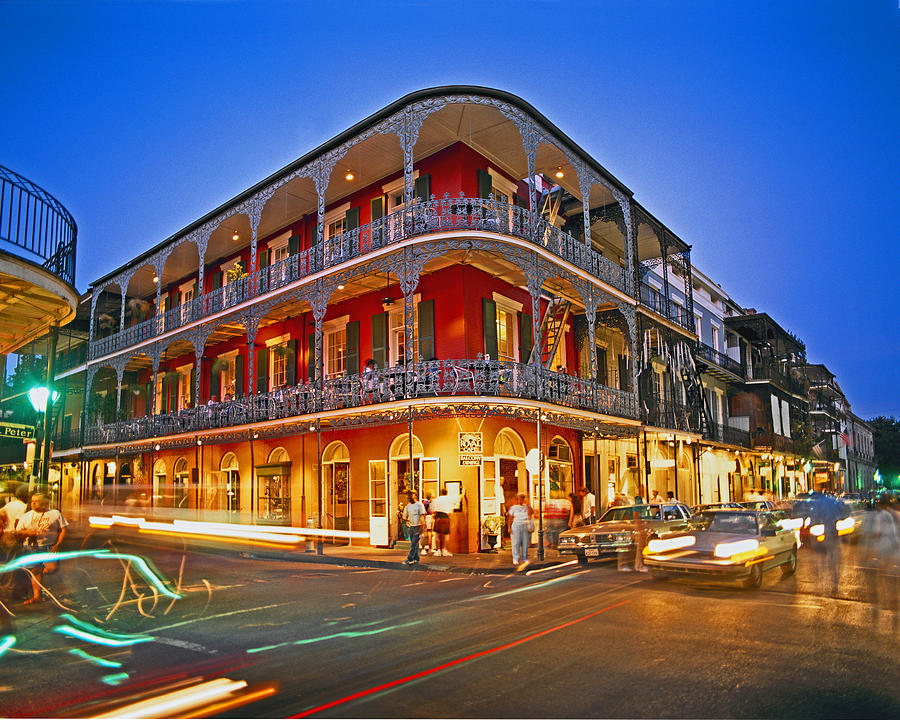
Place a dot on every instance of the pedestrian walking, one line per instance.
(521, 526)
(883, 560)
(427, 539)
(42, 530)
(557, 512)
(441, 508)
(414, 516)
(655, 498)
(576, 518)
(9, 515)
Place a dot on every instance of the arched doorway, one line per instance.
(160, 497)
(228, 488)
(273, 500)
(182, 484)
(336, 486)
(503, 475)
(684, 473)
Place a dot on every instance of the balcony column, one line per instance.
(95, 295)
(198, 337)
(155, 355)
(689, 286)
(409, 280)
(629, 235)
(119, 367)
(251, 325)
(535, 277)
(317, 296)
(253, 208)
(584, 184)
(664, 250)
(202, 242)
(530, 142)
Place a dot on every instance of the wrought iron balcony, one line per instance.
(713, 357)
(771, 441)
(728, 435)
(436, 379)
(668, 414)
(446, 214)
(781, 376)
(657, 302)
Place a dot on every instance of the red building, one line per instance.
(481, 260)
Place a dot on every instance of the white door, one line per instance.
(429, 476)
(489, 487)
(378, 503)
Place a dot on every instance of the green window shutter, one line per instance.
(351, 219)
(263, 259)
(314, 235)
(422, 188)
(239, 376)
(624, 380)
(215, 381)
(601, 365)
(217, 280)
(485, 185)
(176, 302)
(167, 304)
(164, 405)
(148, 399)
(193, 382)
(194, 291)
(526, 340)
(173, 393)
(311, 357)
(380, 340)
(489, 314)
(293, 244)
(426, 330)
(520, 201)
(353, 348)
(262, 369)
(290, 362)
(377, 207)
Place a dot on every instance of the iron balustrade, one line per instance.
(781, 377)
(771, 441)
(33, 221)
(710, 354)
(445, 214)
(667, 414)
(728, 435)
(655, 300)
(435, 378)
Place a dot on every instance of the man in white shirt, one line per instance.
(588, 506)
(414, 514)
(42, 529)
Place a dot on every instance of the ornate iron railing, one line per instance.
(781, 377)
(435, 378)
(33, 221)
(446, 214)
(728, 435)
(667, 414)
(656, 301)
(711, 355)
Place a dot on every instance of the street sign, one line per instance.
(532, 461)
(15, 430)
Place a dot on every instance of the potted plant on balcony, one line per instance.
(491, 526)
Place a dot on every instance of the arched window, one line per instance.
(560, 468)
(160, 499)
(336, 486)
(274, 488)
(182, 482)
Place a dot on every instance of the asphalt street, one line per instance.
(323, 640)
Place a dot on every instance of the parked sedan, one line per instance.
(725, 545)
(615, 531)
(697, 509)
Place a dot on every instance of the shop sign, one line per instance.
(15, 430)
(470, 443)
(469, 460)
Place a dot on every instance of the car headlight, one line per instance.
(724, 550)
(817, 530)
(661, 545)
(567, 540)
(845, 526)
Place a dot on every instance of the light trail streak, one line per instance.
(536, 586)
(102, 662)
(551, 567)
(98, 639)
(179, 702)
(6, 643)
(452, 663)
(349, 634)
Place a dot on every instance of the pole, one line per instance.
(45, 446)
(540, 552)
(598, 485)
(320, 548)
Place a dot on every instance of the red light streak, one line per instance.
(452, 663)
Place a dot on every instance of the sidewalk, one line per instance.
(353, 556)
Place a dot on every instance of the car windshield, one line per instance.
(734, 523)
(645, 512)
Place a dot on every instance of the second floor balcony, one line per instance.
(666, 307)
(718, 363)
(435, 216)
(478, 379)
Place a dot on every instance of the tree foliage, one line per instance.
(886, 434)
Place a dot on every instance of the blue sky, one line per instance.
(762, 133)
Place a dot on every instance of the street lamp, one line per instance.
(42, 398)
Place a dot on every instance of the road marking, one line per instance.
(452, 663)
(220, 615)
(186, 645)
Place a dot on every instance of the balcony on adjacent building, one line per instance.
(728, 435)
(668, 414)
(719, 364)
(478, 380)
